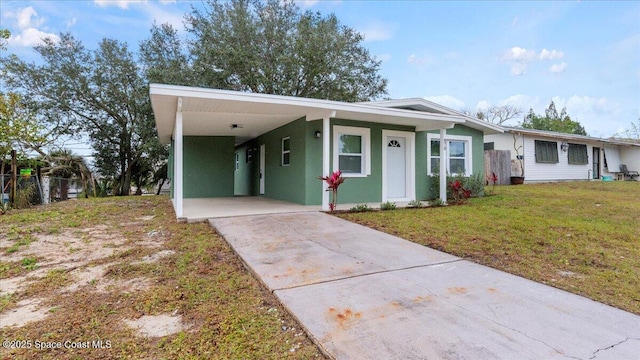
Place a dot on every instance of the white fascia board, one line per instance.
(307, 105)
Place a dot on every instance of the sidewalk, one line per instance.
(363, 294)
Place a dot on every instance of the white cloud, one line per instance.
(28, 22)
(483, 105)
(591, 112)
(517, 53)
(24, 18)
(515, 21)
(123, 4)
(72, 22)
(519, 58)
(31, 37)
(420, 61)
(378, 31)
(520, 101)
(518, 68)
(558, 68)
(551, 55)
(448, 101)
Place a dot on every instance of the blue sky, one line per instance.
(465, 55)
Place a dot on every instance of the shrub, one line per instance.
(388, 206)
(437, 202)
(361, 208)
(415, 204)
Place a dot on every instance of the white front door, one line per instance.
(262, 166)
(396, 167)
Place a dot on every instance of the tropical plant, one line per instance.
(333, 182)
(460, 194)
(493, 179)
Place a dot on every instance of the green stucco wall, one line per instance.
(208, 166)
(365, 189)
(424, 188)
(285, 183)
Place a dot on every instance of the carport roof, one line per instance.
(213, 112)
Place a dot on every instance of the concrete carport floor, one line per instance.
(363, 294)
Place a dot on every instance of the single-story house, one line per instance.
(551, 156)
(229, 143)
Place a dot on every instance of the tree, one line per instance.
(163, 57)
(18, 129)
(273, 47)
(552, 121)
(66, 165)
(100, 94)
(632, 134)
(499, 114)
(4, 37)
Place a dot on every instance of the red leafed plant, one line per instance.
(333, 182)
(493, 179)
(460, 194)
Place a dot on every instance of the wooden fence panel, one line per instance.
(499, 162)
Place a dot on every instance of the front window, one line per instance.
(546, 151)
(237, 161)
(457, 155)
(351, 149)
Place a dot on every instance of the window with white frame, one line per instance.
(237, 161)
(286, 151)
(457, 154)
(351, 150)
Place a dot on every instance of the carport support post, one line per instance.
(326, 143)
(443, 167)
(178, 168)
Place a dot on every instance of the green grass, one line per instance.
(582, 237)
(231, 315)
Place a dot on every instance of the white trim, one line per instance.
(237, 161)
(283, 151)
(443, 166)
(326, 160)
(365, 134)
(468, 164)
(178, 165)
(410, 152)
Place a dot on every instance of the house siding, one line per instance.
(630, 156)
(208, 166)
(562, 170)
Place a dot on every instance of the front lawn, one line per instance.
(582, 237)
(90, 273)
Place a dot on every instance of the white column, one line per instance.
(443, 166)
(178, 162)
(326, 156)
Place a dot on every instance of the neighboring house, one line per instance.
(553, 156)
(228, 143)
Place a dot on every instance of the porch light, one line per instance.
(564, 146)
(317, 134)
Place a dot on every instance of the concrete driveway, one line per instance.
(363, 294)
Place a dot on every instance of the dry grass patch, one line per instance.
(123, 273)
(582, 237)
